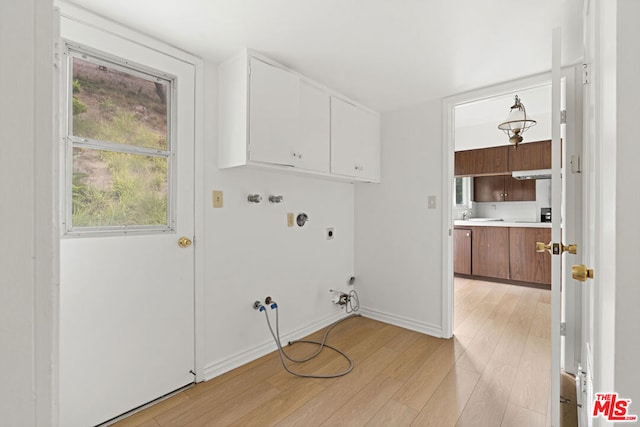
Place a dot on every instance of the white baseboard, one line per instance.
(403, 322)
(220, 367)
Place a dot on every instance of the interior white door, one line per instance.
(556, 233)
(589, 223)
(127, 299)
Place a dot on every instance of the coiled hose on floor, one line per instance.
(321, 345)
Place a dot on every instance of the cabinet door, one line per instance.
(501, 188)
(355, 141)
(519, 190)
(490, 252)
(485, 161)
(530, 156)
(273, 114)
(462, 251)
(526, 264)
(312, 149)
(488, 188)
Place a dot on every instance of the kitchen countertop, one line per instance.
(505, 223)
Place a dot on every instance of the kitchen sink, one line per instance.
(485, 219)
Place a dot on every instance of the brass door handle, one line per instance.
(556, 248)
(581, 272)
(541, 247)
(184, 242)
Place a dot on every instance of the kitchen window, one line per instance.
(462, 192)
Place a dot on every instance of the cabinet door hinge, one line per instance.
(563, 117)
(563, 329)
(586, 78)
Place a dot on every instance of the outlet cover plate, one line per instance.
(218, 200)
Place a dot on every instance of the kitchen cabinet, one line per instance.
(490, 252)
(526, 264)
(270, 116)
(503, 252)
(530, 156)
(485, 161)
(503, 188)
(503, 160)
(462, 239)
(355, 141)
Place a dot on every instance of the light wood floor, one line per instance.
(494, 372)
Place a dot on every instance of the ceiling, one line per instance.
(386, 54)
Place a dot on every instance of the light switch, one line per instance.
(218, 201)
(431, 202)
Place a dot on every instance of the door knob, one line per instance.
(556, 248)
(581, 272)
(184, 242)
(541, 247)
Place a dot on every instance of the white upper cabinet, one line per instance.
(312, 151)
(355, 141)
(274, 114)
(272, 117)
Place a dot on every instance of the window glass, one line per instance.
(116, 189)
(119, 164)
(462, 196)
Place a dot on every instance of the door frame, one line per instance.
(448, 134)
(83, 16)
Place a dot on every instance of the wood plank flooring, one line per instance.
(494, 372)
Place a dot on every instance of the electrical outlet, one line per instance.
(218, 200)
(290, 219)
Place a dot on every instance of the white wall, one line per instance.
(27, 216)
(627, 298)
(399, 240)
(251, 253)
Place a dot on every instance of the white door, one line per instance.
(556, 233)
(127, 286)
(589, 223)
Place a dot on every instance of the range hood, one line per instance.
(532, 174)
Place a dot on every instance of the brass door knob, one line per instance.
(184, 242)
(556, 248)
(541, 247)
(581, 272)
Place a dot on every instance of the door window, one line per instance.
(119, 153)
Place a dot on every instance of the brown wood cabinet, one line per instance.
(485, 161)
(526, 264)
(490, 252)
(503, 160)
(501, 188)
(462, 238)
(530, 156)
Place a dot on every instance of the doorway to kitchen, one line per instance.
(503, 228)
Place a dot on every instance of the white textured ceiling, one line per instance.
(387, 54)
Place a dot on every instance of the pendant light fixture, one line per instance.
(517, 122)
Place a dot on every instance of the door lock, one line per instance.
(556, 248)
(184, 242)
(581, 272)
